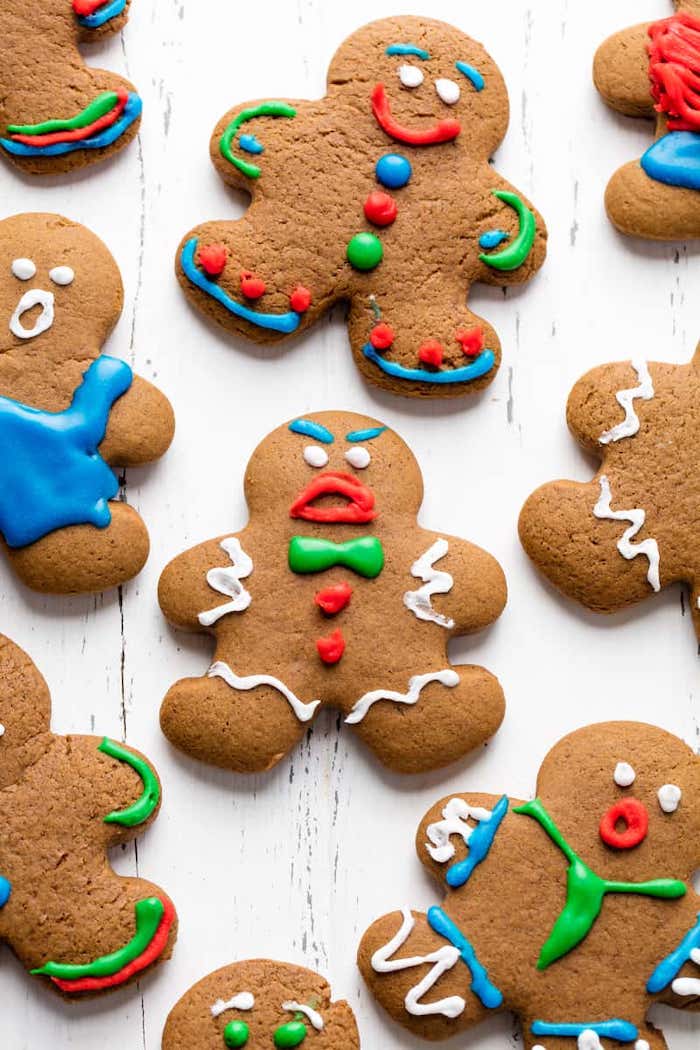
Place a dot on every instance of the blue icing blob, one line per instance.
(480, 842)
(667, 970)
(109, 10)
(5, 891)
(492, 238)
(131, 111)
(481, 986)
(622, 1031)
(51, 474)
(393, 171)
(250, 144)
(675, 160)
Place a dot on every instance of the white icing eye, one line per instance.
(62, 275)
(624, 776)
(448, 91)
(669, 797)
(410, 76)
(2, 729)
(358, 457)
(315, 456)
(23, 269)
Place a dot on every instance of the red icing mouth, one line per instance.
(443, 131)
(633, 814)
(358, 510)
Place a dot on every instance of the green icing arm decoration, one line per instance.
(142, 809)
(520, 247)
(585, 892)
(149, 913)
(265, 109)
(97, 108)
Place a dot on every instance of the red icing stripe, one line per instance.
(83, 8)
(78, 134)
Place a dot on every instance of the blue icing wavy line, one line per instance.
(622, 1031)
(5, 891)
(130, 112)
(51, 472)
(110, 10)
(674, 159)
(481, 986)
(480, 842)
(668, 968)
(483, 364)
(286, 323)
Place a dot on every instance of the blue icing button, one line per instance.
(492, 238)
(393, 171)
(5, 891)
(250, 144)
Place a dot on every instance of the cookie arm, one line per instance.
(520, 252)
(97, 19)
(248, 132)
(478, 592)
(140, 427)
(452, 840)
(184, 593)
(593, 413)
(621, 72)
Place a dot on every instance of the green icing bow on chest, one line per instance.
(364, 555)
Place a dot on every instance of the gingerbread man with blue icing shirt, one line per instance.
(333, 595)
(380, 194)
(575, 911)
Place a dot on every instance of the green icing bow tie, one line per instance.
(364, 555)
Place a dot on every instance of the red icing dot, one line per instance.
(332, 600)
(382, 336)
(331, 649)
(380, 208)
(430, 352)
(251, 286)
(472, 340)
(633, 814)
(212, 259)
(300, 299)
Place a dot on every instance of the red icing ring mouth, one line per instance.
(359, 509)
(633, 814)
(443, 131)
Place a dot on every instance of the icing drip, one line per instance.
(455, 816)
(242, 1001)
(301, 1008)
(435, 581)
(416, 684)
(303, 711)
(227, 581)
(636, 517)
(625, 398)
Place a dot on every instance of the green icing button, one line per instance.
(291, 1034)
(236, 1033)
(364, 251)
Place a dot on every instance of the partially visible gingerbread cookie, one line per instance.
(259, 1004)
(333, 595)
(56, 113)
(653, 71)
(633, 529)
(64, 802)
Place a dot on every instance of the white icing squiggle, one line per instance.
(303, 711)
(242, 1001)
(301, 1008)
(589, 1040)
(688, 985)
(435, 581)
(636, 517)
(227, 581)
(444, 959)
(625, 398)
(624, 776)
(669, 796)
(455, 816)
(448, 677)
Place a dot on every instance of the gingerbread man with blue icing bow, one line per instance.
(575, 911)
(380, 194)
(333, 595)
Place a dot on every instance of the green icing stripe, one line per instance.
(101, 105)
(142, 809)
(265, 109)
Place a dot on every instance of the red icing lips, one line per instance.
(443, 131)
(633, 814)
(357, 511)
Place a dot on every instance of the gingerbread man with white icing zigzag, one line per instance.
(333, 595)
(632, 530)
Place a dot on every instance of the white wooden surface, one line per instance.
(295, 864)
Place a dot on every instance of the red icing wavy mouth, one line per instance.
(632, 814)
(358, 510)
(443, 131)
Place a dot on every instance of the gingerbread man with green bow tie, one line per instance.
(332, 595)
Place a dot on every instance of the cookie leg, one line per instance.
(643, 207)
(82, 558)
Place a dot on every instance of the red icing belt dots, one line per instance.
(674, 70)
(625, 824)
(213, 258)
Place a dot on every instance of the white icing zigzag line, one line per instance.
(304, 712)
(300, 1008)
(630, 424)
(636, 516)
(455, 814)
(444, 959)
(227, 581)
(416, 684)
(435, 581)
(242, 1001)
(688, 985)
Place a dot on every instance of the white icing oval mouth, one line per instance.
(35, 297)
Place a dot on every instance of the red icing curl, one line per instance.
(674, 70)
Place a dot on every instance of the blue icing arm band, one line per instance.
(675, 160)
(481, 986)
(668, 968)
(51, 473)
(480, 842)
(621, 1031)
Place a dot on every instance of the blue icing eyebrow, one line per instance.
(471, 74)
(308, 428)
(407, 49)
(365, 435)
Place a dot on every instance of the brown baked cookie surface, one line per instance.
(56, 113)
(68, 412)
(651, 71)
(260, 1004)
(64, 802)
(380, 194)
(575, 911)
(333, 595)
(621, 537)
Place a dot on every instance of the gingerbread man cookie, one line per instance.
(64, 802)
(57, 114)
(630, 531)
(333, 595)
(68, 412)
(380, 194)
(653, 71)
(574, 911)
(259, 1004)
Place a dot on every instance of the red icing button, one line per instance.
(430, 352)
(251, 286)
(212, 259)
(331, 649)
(382, 336)
(471, 339)
(332, 600)
(380, 208)
(300, 299)
(633, 814)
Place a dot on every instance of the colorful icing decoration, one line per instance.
(5, 891)
(308, 428)
(471, 74)
(213, 258)
(431, 353)
(471, 340)
(622, 1031)
(302, 710)
(250, 144)
(483, 364)
(516, 253)
(435, 581)
(633, 814)
(669, 796)
(287, 322)
(34, 297)
(492, 238)
(380, 209)
(393, 171)
(265, 109)
(315, 456)
(478, 839)
(56, 475)
(359, 510)
(674, 159)
(227, 580)
(300, 299)
(332, 600)
(293, 1033)
(585, 892)
(670, 967)
(23, 269)
(240, 1001)
(624, 776)
(252, 287)
(100, 124)
(408, 49)
(364, 251)
(481, 986)
(442, 131)
(416, 684)
(364, 555)
(331, 649)
(94, 13)
(636, 517)
(307, 1011)
(62, 275)
(154, 917)
(448, 91)
(145, 806)
(364, 435)
(625, 398)
(411, 76)
(236, 1034)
